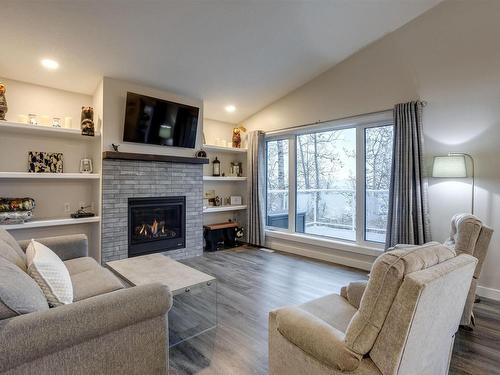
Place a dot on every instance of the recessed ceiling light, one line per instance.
(230, 108)
(50, 64)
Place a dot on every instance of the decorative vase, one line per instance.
(3, 102)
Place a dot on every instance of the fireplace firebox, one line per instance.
(156, 224)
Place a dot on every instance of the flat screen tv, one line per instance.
(159, 122)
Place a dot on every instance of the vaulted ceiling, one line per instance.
(243, 52)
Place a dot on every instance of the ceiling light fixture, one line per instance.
(50, 64)
(230, 108)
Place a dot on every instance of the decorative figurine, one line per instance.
(115, 147)
(87, 121)
(237, 136)
(3, 102)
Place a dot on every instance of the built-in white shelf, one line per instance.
(224, 208)
(228, 178)
(49, 176)
(213, 148)
(35, 223)
(47, 131)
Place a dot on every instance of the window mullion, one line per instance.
(292, 182)
(360, 183)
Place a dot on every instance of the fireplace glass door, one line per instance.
(156, 224)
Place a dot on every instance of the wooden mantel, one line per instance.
(150, 157)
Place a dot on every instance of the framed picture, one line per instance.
(45, 162)
(235, 200)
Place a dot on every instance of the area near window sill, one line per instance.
(327, 243)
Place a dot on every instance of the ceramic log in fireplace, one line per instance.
(156, 224)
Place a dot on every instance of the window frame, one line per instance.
(360, 123)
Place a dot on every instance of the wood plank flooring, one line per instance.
(252, 282)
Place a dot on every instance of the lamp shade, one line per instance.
(452, 166)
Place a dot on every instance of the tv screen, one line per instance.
(159, 122)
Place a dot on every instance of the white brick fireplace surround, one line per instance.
(123, 179)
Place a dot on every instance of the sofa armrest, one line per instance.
(354, 292)
(317, 338)
(28, 337)
(66, 247)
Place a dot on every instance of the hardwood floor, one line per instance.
(252, 282)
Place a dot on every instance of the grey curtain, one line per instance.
(408, 219)
(256, 188)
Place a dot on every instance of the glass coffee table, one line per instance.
(194, 309)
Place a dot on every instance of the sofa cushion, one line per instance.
(11, 255)
(386, 277)
(317, 338)
(93, 283)
(79, 265)
(19, 293)
(50, 273)
(333, 309)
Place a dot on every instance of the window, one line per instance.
(378, 161)
(332, 179)
(277, 183)
(326, 184)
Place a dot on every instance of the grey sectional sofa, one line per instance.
(108, 329)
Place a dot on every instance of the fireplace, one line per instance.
(156, 224)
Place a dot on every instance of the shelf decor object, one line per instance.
(16, 210)
(87, 121)
(45, 162)
(216, 167)
(3, 102)
(454, 165)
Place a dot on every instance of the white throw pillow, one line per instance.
(50, 273)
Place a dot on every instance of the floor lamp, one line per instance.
(453, 165)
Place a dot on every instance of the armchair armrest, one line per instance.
(317, 338)
(31, 336)
(354, 292)
(66, 247)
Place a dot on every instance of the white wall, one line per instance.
(114, 98)
(449, 57)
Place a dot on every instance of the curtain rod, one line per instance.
(424, 103)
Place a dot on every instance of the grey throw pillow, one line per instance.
(19, 293)
(12, 242)
(8, 253)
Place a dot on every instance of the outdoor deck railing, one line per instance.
(280, 205)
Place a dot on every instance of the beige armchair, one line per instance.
(402, 321)
(468, 235)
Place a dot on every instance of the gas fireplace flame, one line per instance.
(156, 229)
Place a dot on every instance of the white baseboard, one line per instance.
(320, 255)
(490, 293)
